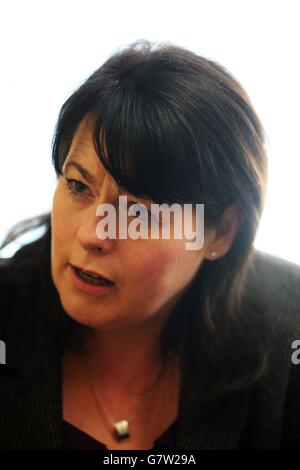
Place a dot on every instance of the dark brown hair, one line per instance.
(180, 128)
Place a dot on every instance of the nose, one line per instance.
(88, 233)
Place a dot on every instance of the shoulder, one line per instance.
(18, 280)
(32, 321)
(273, 272)
(276, 282)
(277, 403)
(7, 292)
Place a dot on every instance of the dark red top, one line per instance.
(74, 438)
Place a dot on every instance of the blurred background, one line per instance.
(48, 48)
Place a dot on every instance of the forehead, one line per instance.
(83, 136)
(82, 151)
(82, 148)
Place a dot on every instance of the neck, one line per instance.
(129, 357)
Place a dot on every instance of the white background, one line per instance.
(48, 48)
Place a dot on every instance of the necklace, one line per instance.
(121, 427)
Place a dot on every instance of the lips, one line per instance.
(93, 273)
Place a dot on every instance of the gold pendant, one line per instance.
(121, 428)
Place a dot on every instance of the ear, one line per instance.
(224, 233)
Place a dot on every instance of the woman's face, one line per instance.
(149, 275)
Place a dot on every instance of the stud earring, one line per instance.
(213, 253)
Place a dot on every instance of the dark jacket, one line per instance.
(265, 417)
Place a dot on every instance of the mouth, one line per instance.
(90, 285)
(92, 277)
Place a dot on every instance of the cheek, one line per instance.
(61, 228)
(57, 229)
(61, 216)
(156, 266)
(56, 211)
(165, 271)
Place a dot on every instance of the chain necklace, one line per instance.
(121, 427)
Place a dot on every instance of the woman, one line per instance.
(138, 342)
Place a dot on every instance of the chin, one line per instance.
(83, 315)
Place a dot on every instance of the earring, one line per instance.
(213, 253)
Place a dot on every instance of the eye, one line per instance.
(75, 187)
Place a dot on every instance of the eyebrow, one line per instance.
(83, 171)
(86, 174)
